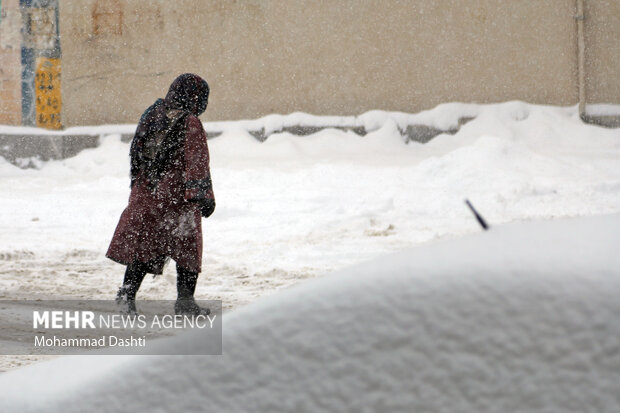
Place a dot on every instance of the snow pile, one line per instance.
(603, 110)
(523, 318)
(73, 131)
(444, 117)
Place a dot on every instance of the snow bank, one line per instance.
(77, 130)
(523, 318)
(603, 109)
(444, 117)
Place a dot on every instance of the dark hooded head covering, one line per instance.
(189, 93)
(159, 132)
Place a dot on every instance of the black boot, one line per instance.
(125, 305)
(126, 296)
(186, 286)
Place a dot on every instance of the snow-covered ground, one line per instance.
(294, 207)
(523, 318)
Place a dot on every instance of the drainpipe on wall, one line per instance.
(581, 58)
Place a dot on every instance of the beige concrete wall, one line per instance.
(602, 39)
(330, 56)
(10, 63)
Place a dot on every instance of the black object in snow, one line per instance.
(479, 218)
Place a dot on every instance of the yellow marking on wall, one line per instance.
(47, 92)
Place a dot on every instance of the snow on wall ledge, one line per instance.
(523, 318)
(18, 144)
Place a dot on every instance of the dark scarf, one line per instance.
(161, 131)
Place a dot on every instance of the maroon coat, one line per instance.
(163, 218)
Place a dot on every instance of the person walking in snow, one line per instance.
(170, 190)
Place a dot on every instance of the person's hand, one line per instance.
(207, 207)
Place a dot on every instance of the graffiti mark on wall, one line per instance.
(41, 28)
(40, 58)
(107, 17)
(47, 90)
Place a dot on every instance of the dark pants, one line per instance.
(135, 273)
